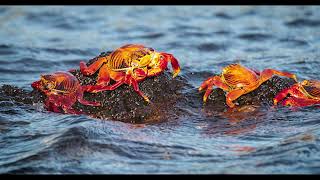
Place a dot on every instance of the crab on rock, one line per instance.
(301, 94)
(62, 90)
(128, 64)
(237, 80)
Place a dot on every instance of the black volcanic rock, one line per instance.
(19, 96)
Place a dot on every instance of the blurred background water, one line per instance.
(41, 39)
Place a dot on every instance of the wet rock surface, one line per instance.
(20, 96)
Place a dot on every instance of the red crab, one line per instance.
(237, 80)
(301, 94)
(128, 64)
(62, 90)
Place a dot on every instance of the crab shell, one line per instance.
(57, 83)
(237, 76)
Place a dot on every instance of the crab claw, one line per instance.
(281, 95)
(36, 85)
(174, 63)
(140, 73)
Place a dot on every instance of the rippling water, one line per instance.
(41, 39)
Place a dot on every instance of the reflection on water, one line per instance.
(39, 39)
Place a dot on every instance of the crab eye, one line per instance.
(161, 57)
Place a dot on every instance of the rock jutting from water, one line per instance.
(262, 96)
(169, 97)
(124, 104)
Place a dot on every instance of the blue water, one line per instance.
(41, 39)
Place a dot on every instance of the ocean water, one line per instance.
(41, 39)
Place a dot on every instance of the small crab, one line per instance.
(128, 64)
(62, 90)
(237, 80)
(302, 94)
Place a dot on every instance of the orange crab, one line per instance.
(302, 94)
(237, 80)
(128, 64)
(62, 90)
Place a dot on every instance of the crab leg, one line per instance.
(292, 91)
(207, 93)
(206, 83)
(83, 101)
(299, 102)
(119, 77)
(268, 73)
(93, 67)
(88, 103)
(103, 76)
(233, 95)
(136, 88)
(131, 81)
(215, 80)
(281, 95)
(99, 88)
(114, 86)
(209, 83)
